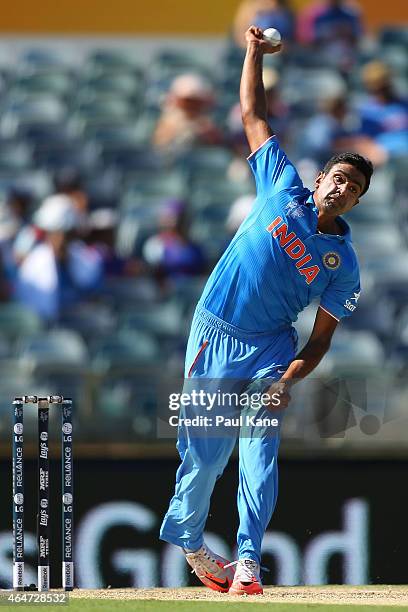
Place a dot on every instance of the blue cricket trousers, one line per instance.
(222, 357)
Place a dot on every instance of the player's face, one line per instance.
(339, 190)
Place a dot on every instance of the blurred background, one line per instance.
(122, 179)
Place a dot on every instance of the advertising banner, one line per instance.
(336, 521)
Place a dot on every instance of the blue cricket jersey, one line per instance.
(278, 261)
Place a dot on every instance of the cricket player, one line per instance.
(292, 248)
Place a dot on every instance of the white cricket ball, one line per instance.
(272, 36)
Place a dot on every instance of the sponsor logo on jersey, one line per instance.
(294, 248)
(294, 210)
(332, 260)
(349, 305)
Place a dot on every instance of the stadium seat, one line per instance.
(64, 56)
(399, 350)
(42, 110)
(302, 87)
(224, 193)
(68, 154)
(164, 321)
(169, 63)
(211, 235)
(187, 294)
(392, 35)
(166, 185)
(111, 59)
(354, 353)
(15, 156)
(100, 129)
(104, 108)
(128, 157)
(5, 348)
(122, 84)
(120, 291)
(209, 161)
(17, 321)
(52, 81)
(374, 313)
(124, 350)
(126, 406)
(58, 349)
(16, 381)
(90, 320)
(372, 241)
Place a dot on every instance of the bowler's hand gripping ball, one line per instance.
(272, 36)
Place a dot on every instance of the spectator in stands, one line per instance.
(265, 14)
(59, 269)
(5, 287)
(322, 133)
(383, 113)
(185, 120)
(171, 253)
(335, 29)
(101, 236)
(19, 201)
(68, 181)
(14, 215)
(305, 23)
(8, 227)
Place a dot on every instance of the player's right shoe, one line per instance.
(210, 569)
(247, 580)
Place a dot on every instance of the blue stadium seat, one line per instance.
(17, 321)
(112, 59)
(356, 353)
(166, 185)
(164, 321)
(52, 81)
(57, 349)
(125, 350)
(15, 156)
(90, 319)
(104, 108)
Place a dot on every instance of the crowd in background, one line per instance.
(62, 252)
(154, 181)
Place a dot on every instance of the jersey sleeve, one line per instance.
(272, 169)
(340, 298)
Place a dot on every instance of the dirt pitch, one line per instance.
(368, 595)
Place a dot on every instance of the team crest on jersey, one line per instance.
(294, 209)
(332, 260)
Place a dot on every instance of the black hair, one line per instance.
(67, 179)
(354, 159)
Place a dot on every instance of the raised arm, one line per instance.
(252, 91)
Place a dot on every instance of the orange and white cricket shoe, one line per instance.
(246, 579)
(211, 569)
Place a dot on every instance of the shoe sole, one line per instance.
(244, 591)
(214, 586)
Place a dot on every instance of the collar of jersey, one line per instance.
(346, 237)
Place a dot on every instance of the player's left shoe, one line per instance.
(211, 569)
(247, 580)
